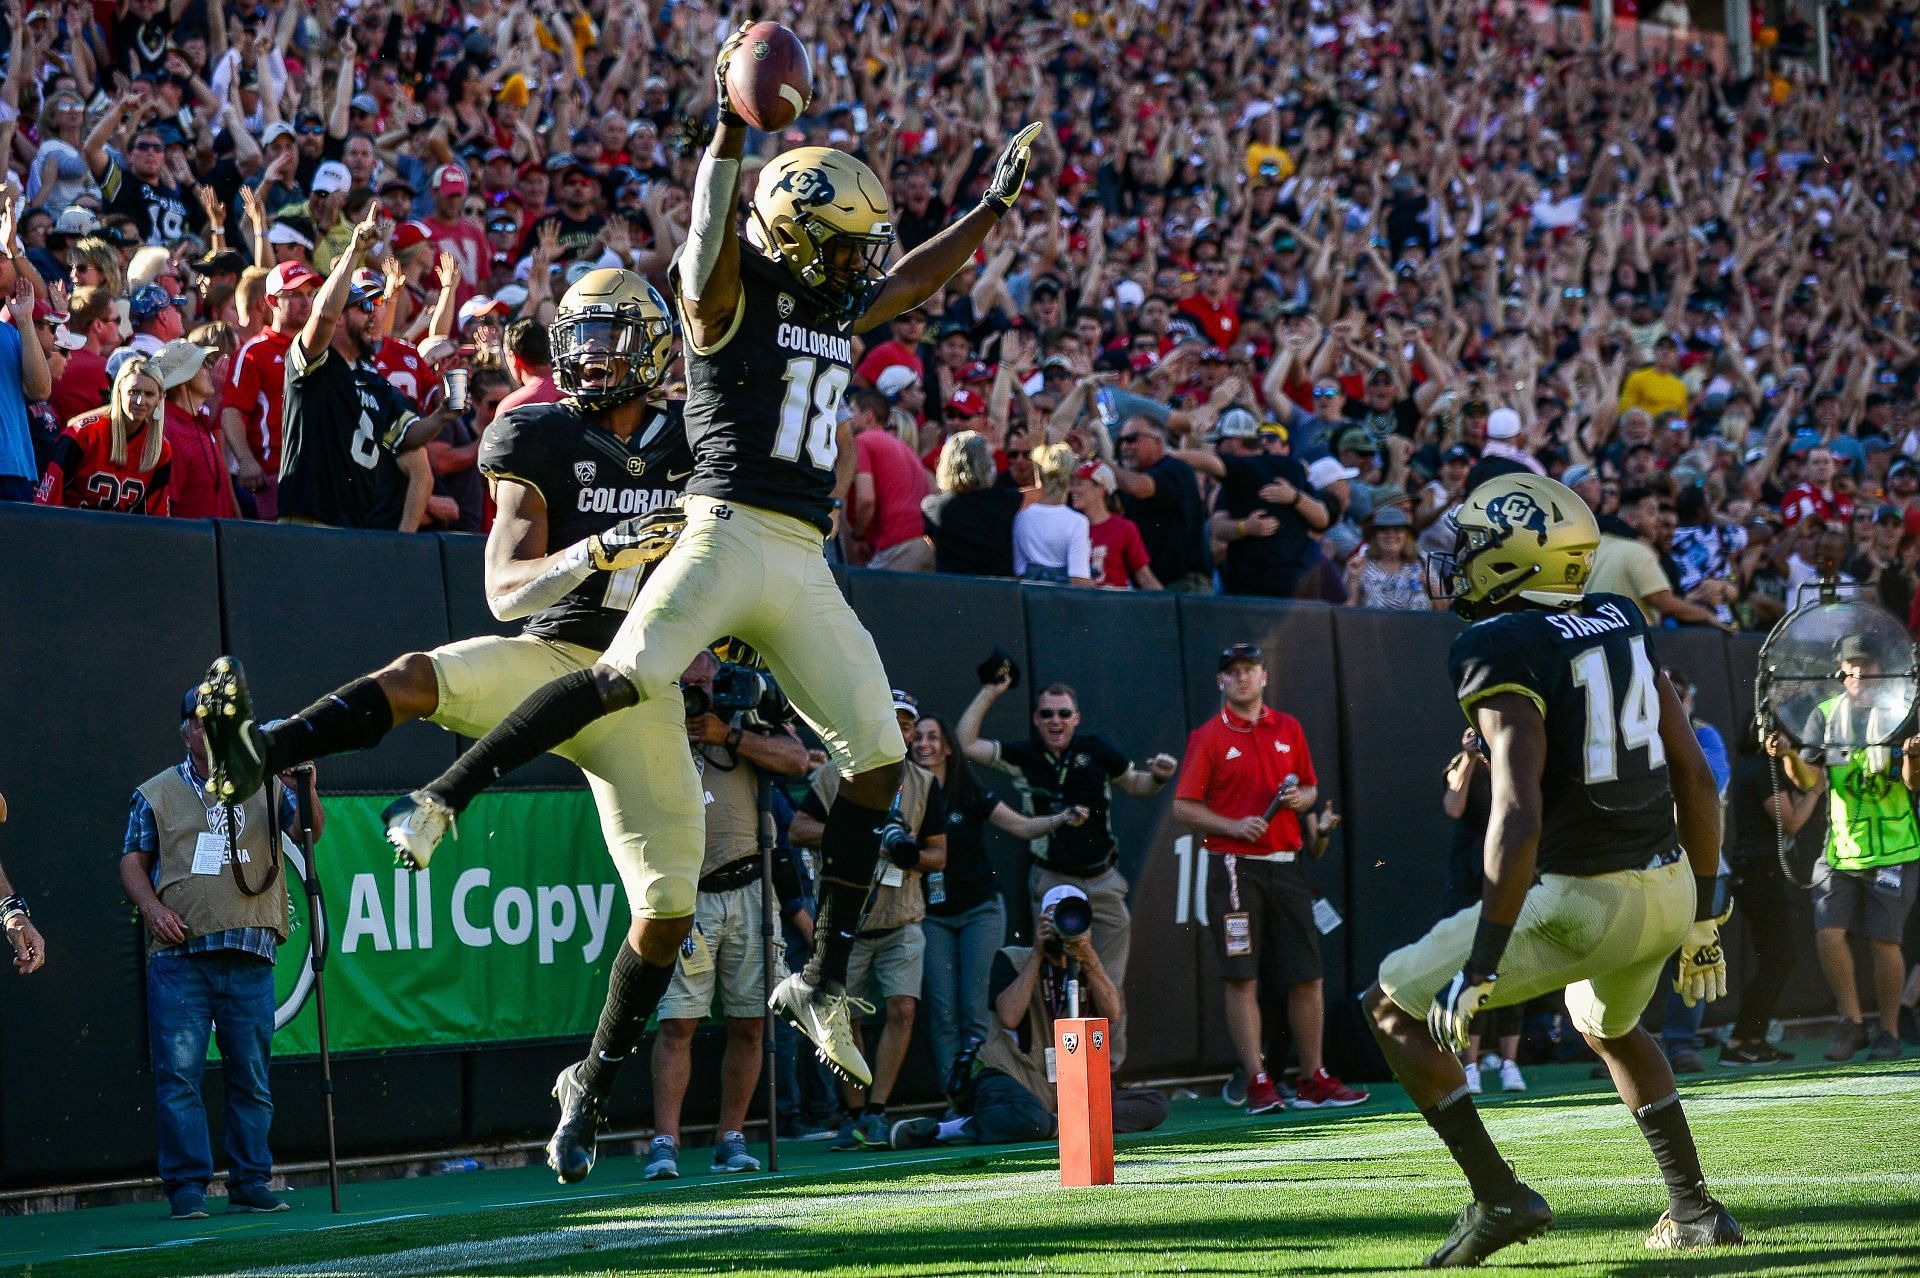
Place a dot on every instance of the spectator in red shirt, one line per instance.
(903, 349)
(94, 464)
(199, 487)
(1816, 495)
(1245, 763)
(454, 234)
(888, 485)
(1119, 557)
(83, 384)
(1213, 308)
(250, 416)
(530, 360)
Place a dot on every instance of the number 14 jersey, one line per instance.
(763, 404)
(1606, 801)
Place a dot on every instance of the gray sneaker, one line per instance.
(914, 1133)
(663, 1159)
(188, 1203)
(871, 1131)
(1234, 1090)
(844, 1140)
(1886, 1047)
(1848, 1039)
(256, 1198)
(730, 1154)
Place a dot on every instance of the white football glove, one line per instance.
(1455, 1006)
(639, 540)
(1703, 964)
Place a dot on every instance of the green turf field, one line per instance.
(1821, 1166)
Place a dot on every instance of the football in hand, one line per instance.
(769, 77)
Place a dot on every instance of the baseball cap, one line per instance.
(332, 176)
(408, 234)
(365, 102)
(1503, 423)
(450, 179)
(1857, 648)
(975, 372)
(1902, 466)
(1241, 652)
(66, 339)
(395, 182)
(176, 363)
(480, 307)
(1356, 440)
(1576, 475)
(189, 704)
(76, 220)
(1888, 514)
(1392, 517)
(275, 131)
(148, 301)
(1235, 423)
(1326, 471)
(282, 232)
(288, 276)
(221, 262)
(1062, 892)
(894, 379)
(1129, 293)
(905, 703)
(1097, 471)
(1458, 453)
(966, 403)
(1056, 364)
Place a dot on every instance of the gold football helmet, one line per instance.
(612, 340)
(823, 215)
(1523, 536)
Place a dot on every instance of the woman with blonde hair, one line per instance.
(1385, 572)
(1051, 540)
(59, 175)
(971, 518)
(116, 457)
(94, 262)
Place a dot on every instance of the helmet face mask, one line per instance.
(612, 340)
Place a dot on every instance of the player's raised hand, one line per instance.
(370, 230)
(1010, 171)
(1455, 1006)
(732, 42)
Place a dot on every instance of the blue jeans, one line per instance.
(231, 995)
(959, 960)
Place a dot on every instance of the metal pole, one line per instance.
(317, 920)
(1740, 38)
(1822, 53)
(763, 792)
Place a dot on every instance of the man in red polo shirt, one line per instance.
(1247, 778)
(250, 415)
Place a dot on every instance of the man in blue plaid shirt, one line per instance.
(215, 909)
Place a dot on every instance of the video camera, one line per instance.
(740, 690)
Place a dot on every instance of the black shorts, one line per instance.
(1278, 902)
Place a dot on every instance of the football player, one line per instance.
(588, 493)
(769, 336)
(1590, 754)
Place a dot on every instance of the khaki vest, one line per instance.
(892, 906)
(1002, 1051)
(210, 903)
(733, 808)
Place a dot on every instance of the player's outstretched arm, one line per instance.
(709, 280)
(1696, 796)
(926, 270)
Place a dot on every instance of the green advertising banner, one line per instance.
(508, 935)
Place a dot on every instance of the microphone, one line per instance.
(1280, 795)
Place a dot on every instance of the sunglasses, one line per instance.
(1213, 270)
(1129, 439)
(1324, 392)
(148, 146)
(1054, 714)
(312, 130)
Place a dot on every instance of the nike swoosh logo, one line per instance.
(674, 479)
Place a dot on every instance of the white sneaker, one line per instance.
(1473, 1080)
(1511, 1079)
(826, 1018)
(1490, 1062)
(415, 825)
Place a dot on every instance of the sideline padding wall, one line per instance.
(107, 620)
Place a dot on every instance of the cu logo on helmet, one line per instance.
(809, 187)
(1515, 511)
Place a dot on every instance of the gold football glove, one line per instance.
(1010, 171)
(1703, 964)
(636, 541)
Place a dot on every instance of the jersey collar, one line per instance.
(1234, 723)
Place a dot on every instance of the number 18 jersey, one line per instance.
(763, 404)
(1606, 801)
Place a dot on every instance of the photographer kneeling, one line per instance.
(1013, 1082)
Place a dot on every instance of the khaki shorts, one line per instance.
(738, 570)
(637, 763)
(1605, 938)
(730, 924)
(884, 967)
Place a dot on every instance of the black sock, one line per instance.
(849, 849)
(633, 991)
(1458, 1124)
(1664, 1124)
(355, 717)
(556, 712)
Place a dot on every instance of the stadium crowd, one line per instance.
(1286, 278)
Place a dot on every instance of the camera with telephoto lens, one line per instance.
(740, 690)
(898, 845)
(1072, 917)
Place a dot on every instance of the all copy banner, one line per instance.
(507, 936)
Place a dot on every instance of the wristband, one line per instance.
(733, 740)
(1243, 527)
(1705, 888)
(12, 907)
(1489, 943)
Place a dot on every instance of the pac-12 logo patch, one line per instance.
(1072, 1040)
(1099, 1040)
(786, 305)
(584, 471)
(1515, 511)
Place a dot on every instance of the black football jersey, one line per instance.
(763, 406)
(590, 480)
(337, 430)
(1592, 672)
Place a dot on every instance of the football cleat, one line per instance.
(415, 825)
(1484, 1228)
(826, 1017)
(236, 751)
(1717, 1228)
(575, 1141)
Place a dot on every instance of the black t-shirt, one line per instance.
(158, 208)
(1753, 836)
(763, 406)
(1466, 861)
(1402, 417)
(468, 490)
(576, 234)
(1265, 565)
(914, 229)
(1172, 522)
(1607, 805)
(972, 532)
(1048, 784)
(590, 480)
(341, 422)
(933, 821)
(969, 874)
